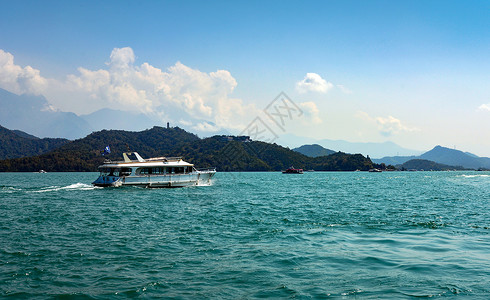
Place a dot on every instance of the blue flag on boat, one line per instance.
(107, 150)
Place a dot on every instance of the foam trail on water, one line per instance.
(77, 186)
(10, 189)
(209, 183)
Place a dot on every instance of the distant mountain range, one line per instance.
(313, 150)
(439, 158)
(442, 155)
(16, 143)
(371, 149)
(32, 114)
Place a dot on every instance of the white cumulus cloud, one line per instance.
(18, 80)
(311, 112)
(313, 83)
(122, 57)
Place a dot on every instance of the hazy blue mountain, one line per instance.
(31, 114)
(454, 157)
(442, 155)
(426, 165)
(314, 150)
(294, 141)
(111, 119)
(371, 149)
(14, 144)
(471, 154)
(394, 160)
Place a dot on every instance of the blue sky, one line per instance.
(413, 72)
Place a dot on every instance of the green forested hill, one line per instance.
(314, 150)
(16, 143)
(219, 151)
(423, 164)
(85, 154)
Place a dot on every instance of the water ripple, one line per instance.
(248, 235)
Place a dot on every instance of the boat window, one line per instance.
(125, 171)
(171, 170)
(105, 171)
(144, 171)
(111, 171)
(158, 170)
(115, 172)
(179, 170)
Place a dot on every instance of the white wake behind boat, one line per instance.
(154, 172)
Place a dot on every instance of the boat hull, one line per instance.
(156, 181)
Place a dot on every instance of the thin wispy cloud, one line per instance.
(344, 89)
(387, 126)
(484, 107)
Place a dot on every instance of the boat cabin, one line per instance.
(142, 171)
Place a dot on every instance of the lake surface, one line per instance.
(390, 235)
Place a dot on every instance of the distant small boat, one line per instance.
(42, 171)
(293, 171)
(375, 171)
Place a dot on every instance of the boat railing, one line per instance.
(108, 161)
(153, 159)
(212, 169)
(163, 158)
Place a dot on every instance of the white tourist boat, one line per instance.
(151, 172)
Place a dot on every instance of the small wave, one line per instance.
(10, 189)
(77, 186)
(474, 176)
(352, 293)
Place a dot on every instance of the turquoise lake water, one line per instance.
(357, 235)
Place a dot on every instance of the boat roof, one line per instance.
(149, 162)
